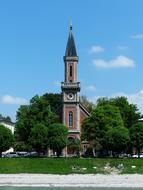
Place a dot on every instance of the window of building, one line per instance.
(70, 71)
(70, 119)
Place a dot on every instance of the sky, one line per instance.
(33, 35)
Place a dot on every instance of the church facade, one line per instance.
(73, 112)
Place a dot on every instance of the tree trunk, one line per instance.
(58, 153)
(138, 152)
(111, 153)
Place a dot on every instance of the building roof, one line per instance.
(70, 48)
(7, 122)
(84, 109)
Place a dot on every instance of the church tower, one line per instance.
(73, 111)
(70, 89)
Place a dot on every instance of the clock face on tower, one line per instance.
(70, 96)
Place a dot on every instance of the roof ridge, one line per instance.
(84, 109)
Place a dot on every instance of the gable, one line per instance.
(83, 113)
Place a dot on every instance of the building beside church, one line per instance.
(73, 112)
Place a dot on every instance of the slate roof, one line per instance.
(70, 48)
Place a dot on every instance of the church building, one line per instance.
(73, 112)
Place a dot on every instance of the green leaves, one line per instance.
(6, 139)
(117, 139)
(136, 134)
(107, 127)
(37, 113)
(7, 118)
(39, 138)
(57, 137)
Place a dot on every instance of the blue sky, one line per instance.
(33, 36)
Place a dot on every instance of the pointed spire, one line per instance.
(70, 48)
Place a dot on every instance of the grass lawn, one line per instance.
(67, 165)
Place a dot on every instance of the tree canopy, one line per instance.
(136, 134)
(117, 139)
(129, 112)
(55, 101)
(6, 139)
(38, 112)
(107, 127)
(39, 138)
(7, 118)
(57, 137)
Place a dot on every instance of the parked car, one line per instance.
(11, 155)
(21, 154)
(136, 155)
(3, 154)
(124, 155)
(31, 154)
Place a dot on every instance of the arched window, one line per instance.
(70, 119)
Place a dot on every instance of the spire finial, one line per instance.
(70, 24)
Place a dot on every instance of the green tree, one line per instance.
(57, 137)
(129, 112)
(21, 146)
(55, 101)
(107, 116)
(75, 145)
(92, 133)
(117, 139)
(136, 135)
(23, 124)
(28, 116)
(38, 138)
(104, 117)
(6, 139)
(40, 111)
(7, 118)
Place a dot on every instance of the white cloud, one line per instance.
(94, 99)
(8, 99)
(119, 62)
(137, 36)
(56, 83)
(90, 88)
(136, 98)
(96, 49)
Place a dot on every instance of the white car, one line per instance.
(136, 156)
(11, 155)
